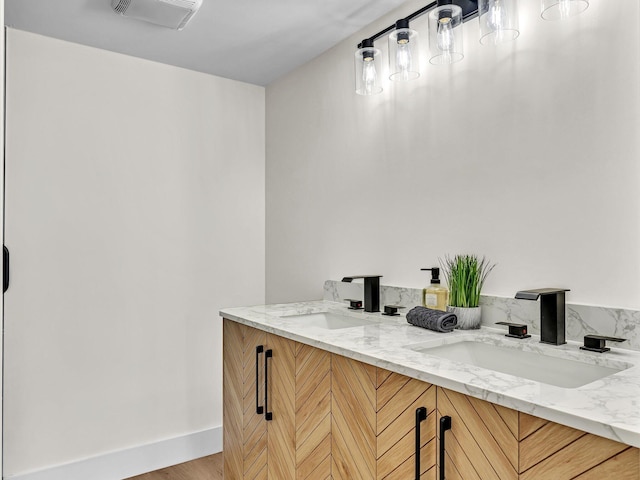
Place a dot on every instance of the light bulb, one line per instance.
(369, 75)
(497, 16)
(366, 69)
(403, 58)
(445, 37)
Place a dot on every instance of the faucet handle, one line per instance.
(354, 304)
(392, 310)
(516, 330)
(597, 343)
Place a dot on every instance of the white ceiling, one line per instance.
(253, 41)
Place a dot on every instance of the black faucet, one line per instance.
(371, 291)
(552, 308)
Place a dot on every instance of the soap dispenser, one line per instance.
(435, 296)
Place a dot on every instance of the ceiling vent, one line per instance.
(168, 13)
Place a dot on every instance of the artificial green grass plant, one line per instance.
(465, 275)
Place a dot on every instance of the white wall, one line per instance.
(527, 153)
(135, 211)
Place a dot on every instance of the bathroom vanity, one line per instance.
(315, 390)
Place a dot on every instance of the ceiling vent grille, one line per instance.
(168, 13)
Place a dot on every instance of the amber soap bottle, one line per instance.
(435, 296)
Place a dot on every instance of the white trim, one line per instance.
(134, 461)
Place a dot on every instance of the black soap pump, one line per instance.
(435, 296)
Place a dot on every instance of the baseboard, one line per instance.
(134, 461)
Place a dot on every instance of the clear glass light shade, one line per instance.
(403, 55)
(445, 35)
(561, 9)
(368, 71)
(498, 21)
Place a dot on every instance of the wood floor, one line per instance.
(206, 468)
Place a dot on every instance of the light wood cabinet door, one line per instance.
(482, 443)
(550, 450)
(280, 407)
(232, 402)
(299, 393)
(244, 427)
(276, 407)
(375, 421)
(405, 427)
(313, 413)
(254, 429)
(490, 442)
(353, 423)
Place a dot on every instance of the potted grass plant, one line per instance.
(465, 275)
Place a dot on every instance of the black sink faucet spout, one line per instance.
(552, 313)
(371, 291)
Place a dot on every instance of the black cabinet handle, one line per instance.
(445, 424)
(267, 414)
(5, 269)
(259, 408)
(421, 415)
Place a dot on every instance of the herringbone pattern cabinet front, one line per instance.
(483, 441)
(353, 426)
(313, 413)
(550, 450)
(374, 423)
(254, 428)
(398, 398)
(295, 412)
(490, 442)
(233, 400)
(281, 449)
(288, 382)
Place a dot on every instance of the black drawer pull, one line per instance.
(421, 415)
(267, 414)
(5, 269)
(445, 424)
(259, 408)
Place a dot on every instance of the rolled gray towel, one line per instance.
(435, 320)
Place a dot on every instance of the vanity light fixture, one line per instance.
(561, 9)
(445, 35)
(498, 23)
(367, 68)
(404, 61)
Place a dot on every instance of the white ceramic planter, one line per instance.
(468, 318)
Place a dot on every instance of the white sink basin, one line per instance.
(329, 321)
(552, 370)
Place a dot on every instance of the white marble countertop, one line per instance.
(609, 407)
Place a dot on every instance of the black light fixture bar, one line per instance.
(422, 11)
(469, 11)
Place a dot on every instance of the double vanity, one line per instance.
(316, 390)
